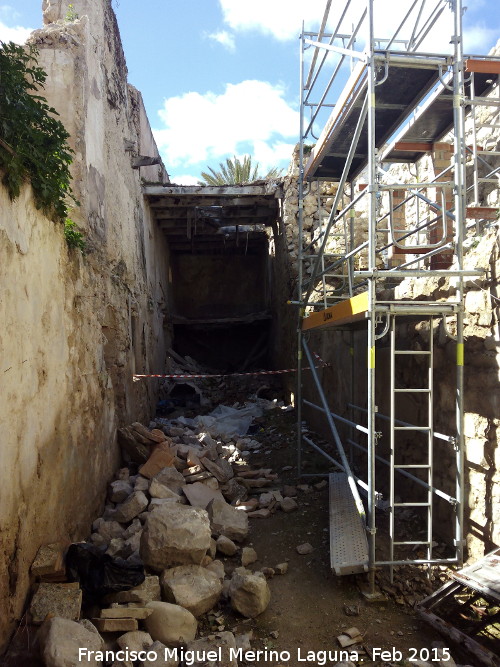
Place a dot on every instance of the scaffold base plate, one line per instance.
(348, 541)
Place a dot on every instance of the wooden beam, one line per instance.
(270, 188)
(482, 66)
(413, 146)
(345, 312)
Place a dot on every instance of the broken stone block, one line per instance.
(146, 592)
(135, 527)
(227, 520)
(289, 491)
(248, 556)
(211, 482)
(226, 546)
(119, 491)
(200, 495)
(161, 457)
(49, 560)
(249, 593)
(220, 469)
(288, 505)
(304, 549)
(140, 613)
(135, 641)
(175, 535)
(158, 649)
(60, 642)
(170, 624)
(249, 505)
(62, 600)
(171, 478)
(265, 499)
(159, 490)
(213, 548)
(128, 510)
(193, 587)
(115, 624)
(141, 484)
(109, 529)
(223, 641)
(234, 491)
(117, 548)
(152, 436)
(135, 451)
(321, 485)
(260, 514)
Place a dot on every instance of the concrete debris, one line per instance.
(170, 624)
(175, 535)
(193, 587)
(62, 600)
(249, 592)
(61, 639)
(304, 549)
(227, 520)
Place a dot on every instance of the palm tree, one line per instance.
(236, 171)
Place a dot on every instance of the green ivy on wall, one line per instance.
(33, 142)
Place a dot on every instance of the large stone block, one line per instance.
(170, 624)
(61, 640)
(249, 593)
(175, 535)
(193, 587)
(227, 520)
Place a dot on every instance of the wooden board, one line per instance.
(345, 312)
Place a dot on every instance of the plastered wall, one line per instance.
(75, 328)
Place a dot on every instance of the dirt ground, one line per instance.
(309, 604)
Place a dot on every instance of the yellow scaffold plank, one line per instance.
(345, 312)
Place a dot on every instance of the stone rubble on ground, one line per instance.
(183, 498)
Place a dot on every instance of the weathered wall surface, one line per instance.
(76, 327)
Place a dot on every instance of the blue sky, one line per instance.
(221, 77)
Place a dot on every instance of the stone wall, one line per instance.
(76, 327)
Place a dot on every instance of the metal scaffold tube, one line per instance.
(362, 133)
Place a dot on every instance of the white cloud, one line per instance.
(184, 179)
(16, 34)
(282, 19)
(251, 117)
(224, 38)
(8, 31)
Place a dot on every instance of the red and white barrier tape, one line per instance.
(225, 375)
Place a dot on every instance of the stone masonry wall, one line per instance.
(76, 327)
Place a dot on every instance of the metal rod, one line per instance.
(439, 436)
(445, 273)
(358, 427)
(338, 442)
(450, 499)
(342, 182)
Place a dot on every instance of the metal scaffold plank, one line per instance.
(348, 543)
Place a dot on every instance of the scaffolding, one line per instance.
(394, 103)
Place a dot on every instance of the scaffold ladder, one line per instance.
(421, 464)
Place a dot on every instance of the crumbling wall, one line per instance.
(76, 327)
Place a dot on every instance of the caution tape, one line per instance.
(185, 376)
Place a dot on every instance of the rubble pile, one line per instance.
(175, 524)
